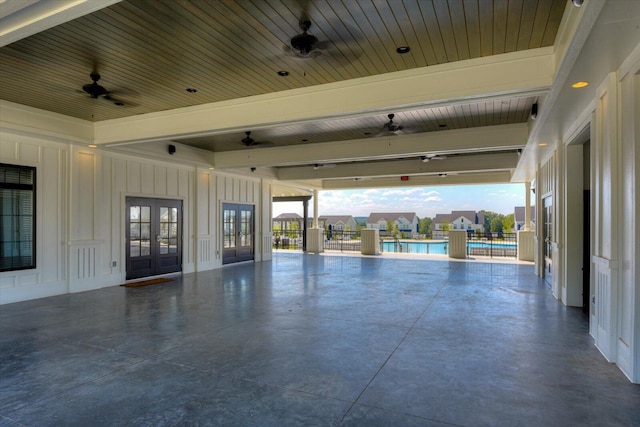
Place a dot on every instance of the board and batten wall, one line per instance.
(614, 309)
(80, 213)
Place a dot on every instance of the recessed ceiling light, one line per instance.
(93, 146)
(211, 168)
(580, 84)
(367, 133)
(542, 144)
(119, 103)
(283, 73)
(191, 90)
(305, 140)
(442, 125)
(403, 49)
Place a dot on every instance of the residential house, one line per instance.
(470, 221)
(406, 222)
(337, 222)
(287, 222)
(518, 218)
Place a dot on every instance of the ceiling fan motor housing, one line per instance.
(304, 43)
(95, 90)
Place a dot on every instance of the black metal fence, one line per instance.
(334, 240)
(492, 245)
(485, 244)
(340, 240)
(289, 239)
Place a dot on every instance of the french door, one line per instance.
(153, 236)
(237, 233)
(548, 238)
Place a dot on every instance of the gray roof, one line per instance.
(441, 218)
(288, 216)
(470, 215)
(334, 219)
(476, 217)
(390, 216)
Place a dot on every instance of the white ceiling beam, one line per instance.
(523, 72)
(420, 181)
(488, 138)
(395, 168)
(24, 120)
(23, 18)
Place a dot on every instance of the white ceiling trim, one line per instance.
(420, 181)
(523, 72)
(30, 121)
(394, 168)
(44, 14)
(487, 138)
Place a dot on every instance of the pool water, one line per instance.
(437, 247)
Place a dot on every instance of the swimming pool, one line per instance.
(440, 247)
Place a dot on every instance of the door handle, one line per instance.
(158, 238)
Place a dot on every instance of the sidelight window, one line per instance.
(17, 217)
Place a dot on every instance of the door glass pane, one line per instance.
(145, 231)
(173, 230)
(134, 248)
(134, 213)
(246, 224)
(229, 228)
(173, 215)
(134, 230)
(164, 246)
(164, 230)
(145, 213)
(164, 214)
(145, 247)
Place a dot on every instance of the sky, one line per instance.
(424, 201)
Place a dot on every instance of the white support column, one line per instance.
(526, 245)
(527, 206)
(315, 208)
(315, 235)
(370, 241)
(457, 244)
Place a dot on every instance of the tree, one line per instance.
(508, 223)
(425, 226)
(389, 226)
(445, 225)
(496, 223)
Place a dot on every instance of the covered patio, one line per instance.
(312, 340)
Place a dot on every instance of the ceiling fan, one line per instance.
(430, 157)
(317, 166)
(305, 45)
(390, 126)
(95, 91)
(249, 142)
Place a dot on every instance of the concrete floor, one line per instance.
(312, 340)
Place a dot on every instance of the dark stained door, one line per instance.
(153, 236)
(548, 238)
(237, 233)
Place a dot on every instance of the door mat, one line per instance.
(146, 282)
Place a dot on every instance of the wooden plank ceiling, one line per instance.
(486, 113)
(148, 52)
